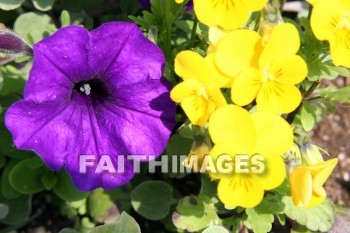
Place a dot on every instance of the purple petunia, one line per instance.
(98, 93)
(147, 4)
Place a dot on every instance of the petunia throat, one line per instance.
(94, 88)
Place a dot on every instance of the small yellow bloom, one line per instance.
(263, 70)
(199, 93)
(330, 20)
(306, 183)
(228, 14)
(179, 1)
(235, 133)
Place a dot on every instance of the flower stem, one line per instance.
(193, 33)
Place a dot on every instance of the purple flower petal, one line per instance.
(97, 94)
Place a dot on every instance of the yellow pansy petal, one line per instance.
(179, 1)
(227, 14)
(233, 124)
(340, 51)
(255, 5)
(220, 149)
(274, 134)
(315, 201)
(301, 186)
(197, 109)
(274, 173)
(325, 18)
(219, 78)
(291, 70)
(278, 97)
(236, 50)
(312, 2)
(215, 96)
(184, 90)
(283, 41)
(191, 65)
(345, 3)
(320, 173)
(246, 86)
(240, 190)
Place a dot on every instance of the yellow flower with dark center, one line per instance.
(265, 69)
(199, 93)
(237, 134)
(306, 183)
(228, 14)
(330, 20)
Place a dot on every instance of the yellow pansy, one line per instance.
(228, 14)
(237, 133)
(306, 183)
(263, 69)
(199, 93)
(330, 20)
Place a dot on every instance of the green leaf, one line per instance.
(66, 190)
(337, 95)
(43, 5)
(126, 224)
(208, 187)
(38, 25)
(216, 229)
(65, 18)
(68, 230)
(177, 146)
(317, 218)
(4, 210)
(26, 180)
(6, 188)
(195, 213)
(101, 207)
(261, 217)
(152, 199)
(319, 69)
(49, 180)
(2, 161)
(19, 209)
(308, 116)
(121, 196)
(10, 4)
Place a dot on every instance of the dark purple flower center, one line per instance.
(94, 88)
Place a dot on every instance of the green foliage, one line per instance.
(216, 229)
(43, 5)
(101, 207)
(318, 218)
(66, 190)
(6, 188)
(26, 179)
(152, 199)
(19, 209)
(195, 213)
(36, 25)
(126, 224)
(308, 116)
(337, 95)
(261, 217)
(10, 4)
(177, 146)
(4, 210)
